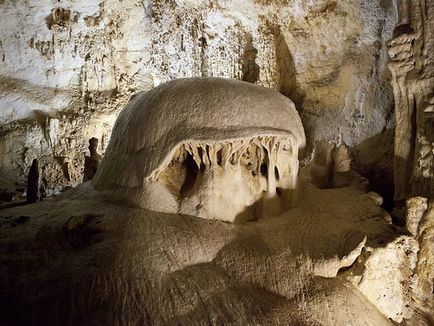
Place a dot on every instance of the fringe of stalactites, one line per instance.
(251, 152)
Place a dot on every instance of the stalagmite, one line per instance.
(331, 166)
(33, 183)
(91, 162)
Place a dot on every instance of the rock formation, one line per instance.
(411, 52)
(412, 65)
(331, 166)
(33, 193)
(67, 69)
(196, 146)
(89, 256)
(91, 162)
(191, 217)
(81, 260)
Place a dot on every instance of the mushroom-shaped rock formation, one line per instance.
(217, 149)
(209, 147)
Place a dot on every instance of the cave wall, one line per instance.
(412, 65)
(68, 67)
(411, 62)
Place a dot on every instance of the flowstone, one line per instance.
(411, 63)
(91, 162)
(209, 147)
(128, 247)
(78, 259)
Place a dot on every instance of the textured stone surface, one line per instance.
(80, 259)
(420, 221)
(412, 57)
(411, 63)
(207, 147)
(67, 68)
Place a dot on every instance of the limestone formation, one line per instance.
(217, 202)
(322, 169)
(331, 166)
(91, 162)
(420, 221)
(209, 147)
(411, 63)
(67, 69)
(212, 148)
(33, 193)
(92, 261)
(411, 52)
